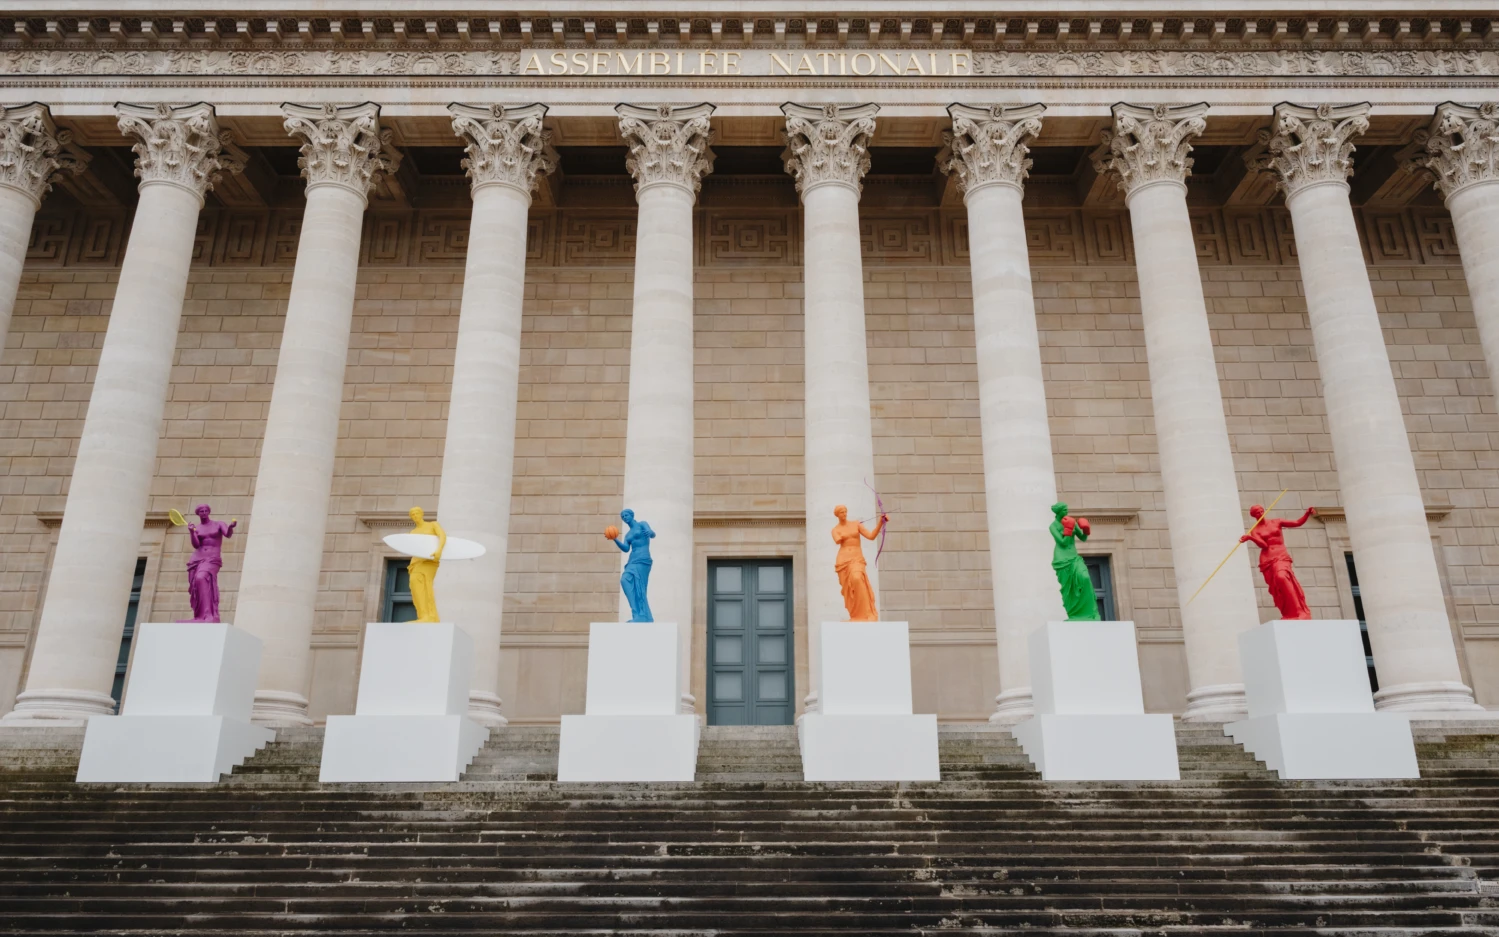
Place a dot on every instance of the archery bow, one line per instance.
(879, 508)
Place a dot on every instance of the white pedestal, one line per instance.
(864, 730)
(410, 722)
(187, 713)
(1090, 722)
(1311, 715)
(631, 729)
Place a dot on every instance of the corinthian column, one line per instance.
(344, 150)
(669, 156)
(31, 155)
(88, 591)
(1462, 152)
(1310, 150)
(987, 149)
(1149, 149)
(507, 149)
(827, 153)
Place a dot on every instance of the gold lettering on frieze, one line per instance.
(718, 63)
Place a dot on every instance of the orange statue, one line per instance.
(858, 594)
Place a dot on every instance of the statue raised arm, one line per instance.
(1275, 562)
(634, 581)
(853, 572)
(1073, 577)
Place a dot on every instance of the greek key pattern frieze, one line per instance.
(742, 237)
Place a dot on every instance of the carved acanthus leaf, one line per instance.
(988, 146)
(33, 151)
(667, 144)
(505, 145)
(1151, 144)
(1462, 147)
(177, 145)
(828, 145)
(1310, 145)
(344, 145)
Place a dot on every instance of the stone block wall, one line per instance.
(749, 447)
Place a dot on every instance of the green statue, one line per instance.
(1072, 573)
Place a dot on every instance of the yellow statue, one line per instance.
(424, 572)
(853, 575)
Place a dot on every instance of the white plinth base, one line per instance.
(1322, 746)
(1137, 747)
(1310, 712)
(631, 730)
(167, 748)
(869, 748)
(399, 748)
(1090, 722)
(186, 715)
(640, 748)
(410, 722)
(864, 729)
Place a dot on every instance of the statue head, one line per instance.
(628, 516)
(1256, 511)
(416, 515)
(1059, 509)
(841, 512)
(203, 512)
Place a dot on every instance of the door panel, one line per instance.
(750, 676)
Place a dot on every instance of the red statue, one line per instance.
(1275, 562)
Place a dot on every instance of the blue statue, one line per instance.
(636, 577)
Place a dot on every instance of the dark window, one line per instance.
(1363, 625)
(397, 605)
(123, 663)
(1103, 585)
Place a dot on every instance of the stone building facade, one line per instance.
(1222, 259)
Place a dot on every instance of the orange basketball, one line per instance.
(611, 532)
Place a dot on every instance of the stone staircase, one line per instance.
(517, 753)
(749, 753)
(991, 849)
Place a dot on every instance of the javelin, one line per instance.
(1236, 545)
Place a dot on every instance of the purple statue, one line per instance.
(204, 565)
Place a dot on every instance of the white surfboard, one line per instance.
(422, 545)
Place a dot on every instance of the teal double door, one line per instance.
(751, 680)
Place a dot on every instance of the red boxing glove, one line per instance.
(1082, 523)
(1067, 524)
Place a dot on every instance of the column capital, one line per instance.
(989, 145)
(506, 145)
(828, 145)
(1307, 146)
(33, 151)
(178, 145)
(344, 144)
(668, 144)
(1462, 147)
(1150, 145)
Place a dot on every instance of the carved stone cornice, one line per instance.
(828, 145)
(179, 146)
(1076, 57)
(344, 145)
(668, 145)
(1462, 147)
(505, 145)
(32, 150)
(988, 145)
(1307, 146)
(1150, 145)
